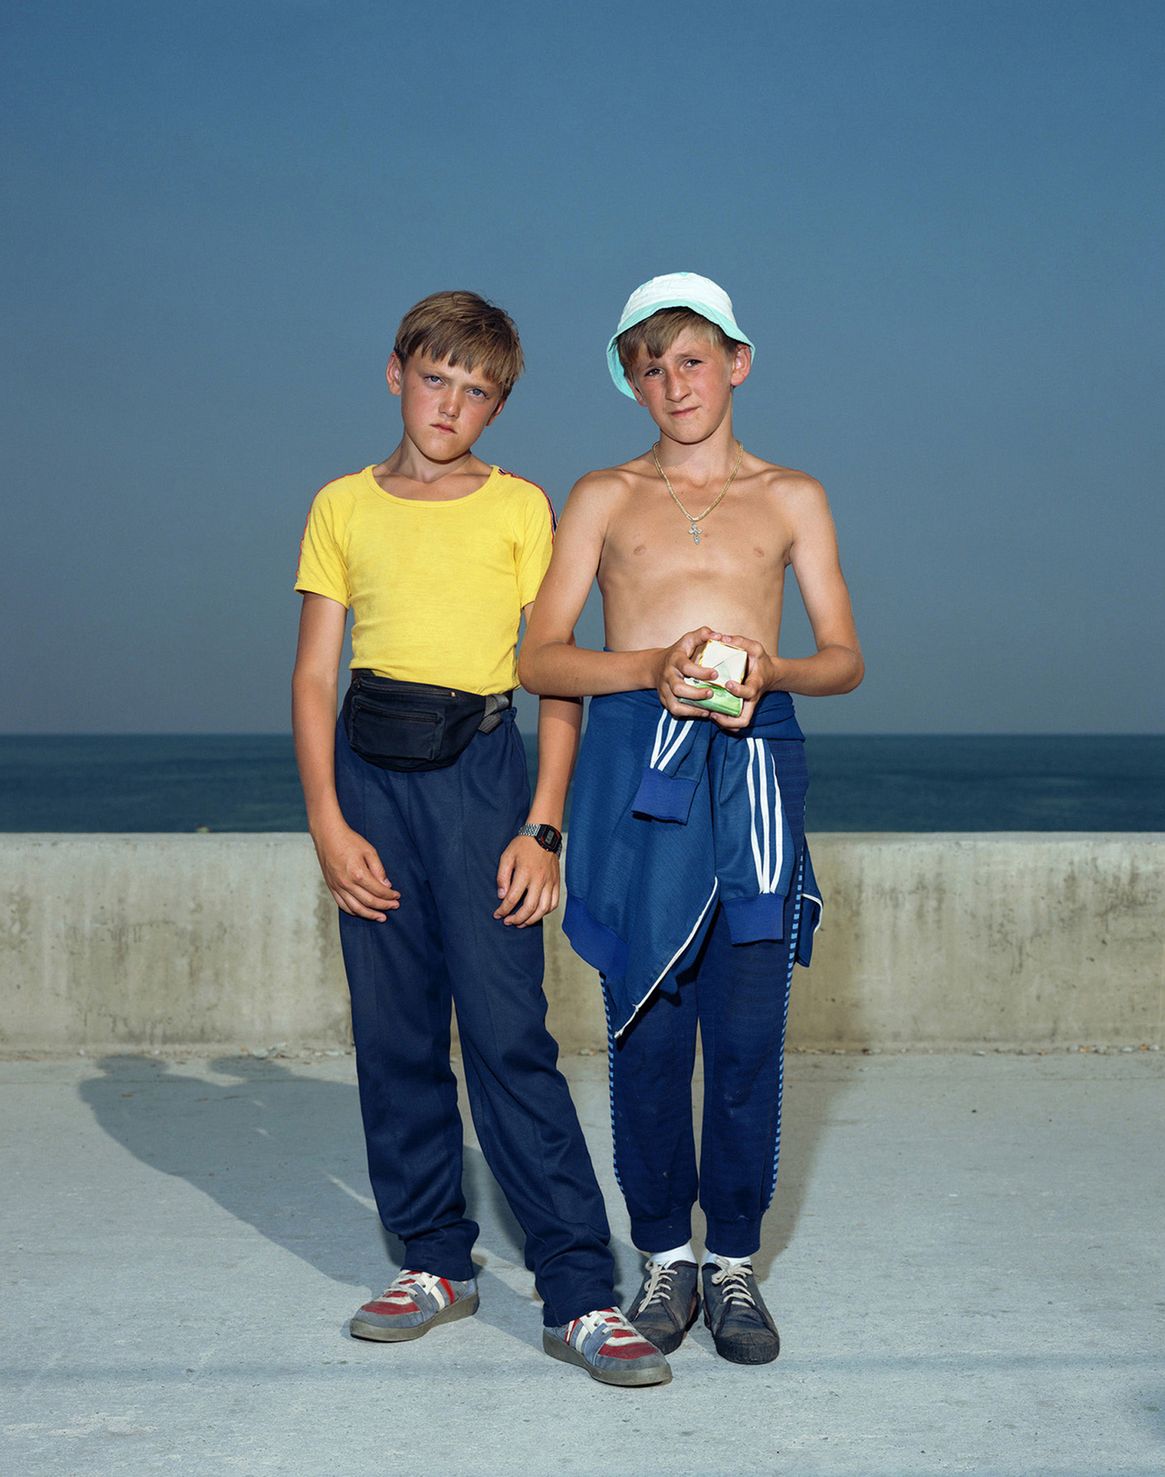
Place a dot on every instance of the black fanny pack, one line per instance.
(411, 725)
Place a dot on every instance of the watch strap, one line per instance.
(548, 837)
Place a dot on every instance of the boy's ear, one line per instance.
(629, 376)
(741, 364)
(394, 373)
(497, 410)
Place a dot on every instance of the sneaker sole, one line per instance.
(386, 1334)
(742, 1358)
(668, 1343)
(559, 1349)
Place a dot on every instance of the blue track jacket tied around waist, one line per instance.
(668, 815)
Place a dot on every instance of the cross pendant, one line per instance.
(695, 532)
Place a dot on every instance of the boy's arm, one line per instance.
(351, 867)
(527, 870)
(837, 665)
(559, 725)
(550, 662)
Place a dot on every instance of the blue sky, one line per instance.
(941, 223)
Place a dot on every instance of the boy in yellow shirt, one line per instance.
(442, 867)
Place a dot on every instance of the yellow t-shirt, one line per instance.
(436, 589)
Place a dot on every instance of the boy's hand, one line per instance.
(676, 671)
(354, 874)
(762, 675)
(527, 871)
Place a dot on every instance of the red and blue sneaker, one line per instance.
(608, 1348)
(411, 1305)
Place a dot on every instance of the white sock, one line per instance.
(676, 1254)
(710, 1259)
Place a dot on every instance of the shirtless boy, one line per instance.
(690, 885)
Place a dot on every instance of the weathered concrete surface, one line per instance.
(160, 940)
(929, 940)
(1000, 939)
(964, 1257)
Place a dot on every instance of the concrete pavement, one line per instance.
(964, 1258)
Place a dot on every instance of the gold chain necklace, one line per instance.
(695, 519)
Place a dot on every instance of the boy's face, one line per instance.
(688, 388)
(445, 407)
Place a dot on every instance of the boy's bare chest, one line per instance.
(745, 537)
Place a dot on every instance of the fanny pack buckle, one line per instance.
(496, 704)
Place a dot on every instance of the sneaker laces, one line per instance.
(733, 1280)
(657, 1288)
(617, 1328)
(401, 1290)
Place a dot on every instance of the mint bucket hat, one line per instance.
(674, 290)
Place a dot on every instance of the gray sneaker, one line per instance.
(666, 1304)
(742, 1327)
(411, 1305)
(608, 1348)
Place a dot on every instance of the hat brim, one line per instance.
(713, 315)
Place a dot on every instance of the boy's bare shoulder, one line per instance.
(607, 481)
(602, 491)
(797, 492)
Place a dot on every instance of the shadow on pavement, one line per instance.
(810, 1103)
(284, 1153)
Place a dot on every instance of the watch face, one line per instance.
(547, 836)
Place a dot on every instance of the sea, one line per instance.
(247, 782)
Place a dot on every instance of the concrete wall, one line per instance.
(929, 940)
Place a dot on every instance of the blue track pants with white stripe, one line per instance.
(738, 995)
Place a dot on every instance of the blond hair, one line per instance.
(657, 334)
(463, 328)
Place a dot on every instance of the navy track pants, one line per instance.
(440, 835)
(738, 995)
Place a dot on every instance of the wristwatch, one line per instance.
(547, 837)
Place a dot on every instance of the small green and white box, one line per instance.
(730, 663)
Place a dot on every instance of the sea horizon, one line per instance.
(187, 782)
(264, 733)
